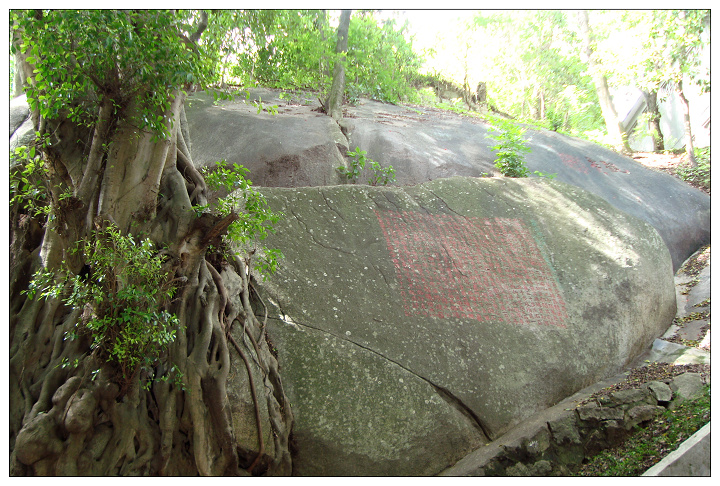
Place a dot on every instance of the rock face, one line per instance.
(295, 148)
(301, 147)
(426, 144)
(415, 324)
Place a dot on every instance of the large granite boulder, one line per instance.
(414, 324)
(295, 147)
(299, 147)
(425, 144)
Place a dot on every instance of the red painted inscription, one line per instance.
(576, 163)
(475, 268)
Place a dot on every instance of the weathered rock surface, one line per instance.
(414, 324)
(426, 144)
(19, 112)
(297, 147)
(301, 147)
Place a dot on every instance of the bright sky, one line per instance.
(434, 29)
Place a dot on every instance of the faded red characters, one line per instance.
(486, 269)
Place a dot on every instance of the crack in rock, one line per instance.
(452, 400)
(312, 236)
(327, 203)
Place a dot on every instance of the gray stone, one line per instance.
(426, 144)
(614, 431)
(473, 303)
(541, 468)
(632, 396)
(19, 112)
(666, 352)
(598, 414)
(701, 290)
(663, 393)
(301, 147)
(686, 386)
(518, 469)
(298, 147)
(691, 459)
(358, 413)
(564, 431)
(642, 413)
(538, 443)
(693, 330)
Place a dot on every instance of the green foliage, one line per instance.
(357, 165)
(677, 38)
(544, 175)
(272, 109)
(647, 447)
(699, 175)
(28, 181)
(531, 64)
(555, 120)
(84, 57)
(255, 218)
(530, 61)
(358, 161)
(295, 49)
(510, 148)
(381, 63)
(285, 49)
(123, 297)
(380, 175)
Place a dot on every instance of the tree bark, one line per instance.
(689, 145)
(654, 120)
(70, 413)
(320, 25)
(614, 125)
(333, 106)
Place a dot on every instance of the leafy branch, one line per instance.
(358, 160)
(253, 219)
(122, 291)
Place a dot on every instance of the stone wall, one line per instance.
(565, 435)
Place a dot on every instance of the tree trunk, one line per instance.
(654, 121)
(70, 413)
(614, 125)
(320, 24)
(689, 145)
(20, 76)
(333, 106)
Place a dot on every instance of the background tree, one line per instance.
(381, 62)
(614, 125)
(111, 169)
(682, 37)
(529, 61)
(293, 49)
(653, 50)
(333, 105)
(288, 49)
